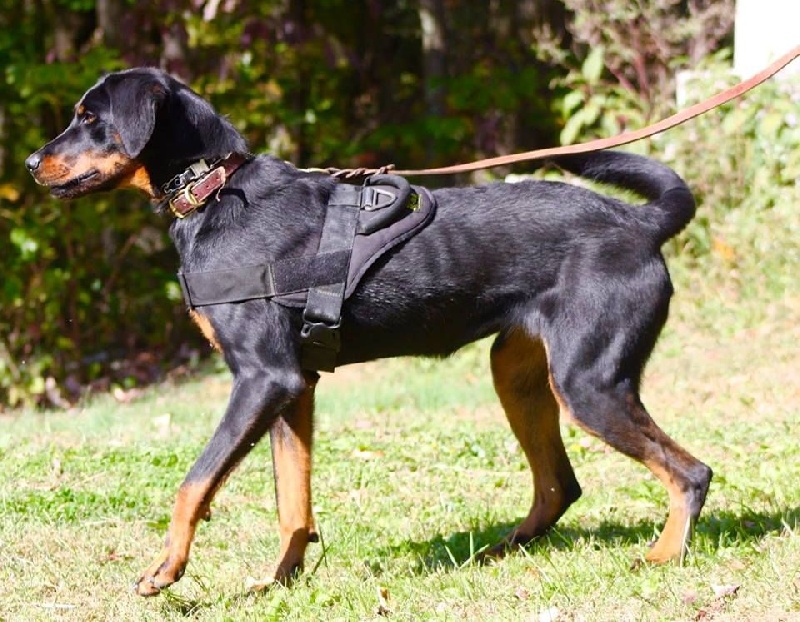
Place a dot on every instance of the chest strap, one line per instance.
(277, 278)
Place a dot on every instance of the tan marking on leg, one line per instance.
(674, 538)
(520, 371)
(291, 439)
(564, 410)
(192, 503)
(665, 459)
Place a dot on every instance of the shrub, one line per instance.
(742, 161)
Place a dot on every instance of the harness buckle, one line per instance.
(320, 344)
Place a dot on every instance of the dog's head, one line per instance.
(134, 128)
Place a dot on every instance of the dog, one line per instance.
(571, 282)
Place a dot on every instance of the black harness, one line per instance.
(361, 224)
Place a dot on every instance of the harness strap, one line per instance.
(320, 338)
(285, 276)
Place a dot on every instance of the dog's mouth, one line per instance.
(73, 187)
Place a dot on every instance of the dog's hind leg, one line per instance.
(521, 380)
(595, 371)
(291, 439)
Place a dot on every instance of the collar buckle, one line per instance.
(187, 194)
(195, 186)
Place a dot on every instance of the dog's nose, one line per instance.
(33, 161)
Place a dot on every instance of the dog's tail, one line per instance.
(671, 205)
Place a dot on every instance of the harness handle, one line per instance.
(395, 190)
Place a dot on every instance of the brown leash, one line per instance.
(593, 145)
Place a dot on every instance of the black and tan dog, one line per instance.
(573, 283)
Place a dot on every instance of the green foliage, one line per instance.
(89, 285)
(742, 162)
(593, 108)
(620, 71)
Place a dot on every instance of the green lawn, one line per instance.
(415, 469)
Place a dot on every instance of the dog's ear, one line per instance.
(134, 103)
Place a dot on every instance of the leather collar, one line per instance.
(193, 188)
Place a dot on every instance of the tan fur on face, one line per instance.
(61, 169)
(130, 173)
(140, 180)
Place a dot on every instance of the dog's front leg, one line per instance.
(291, 439)
(256, 400)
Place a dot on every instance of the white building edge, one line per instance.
(765, 30)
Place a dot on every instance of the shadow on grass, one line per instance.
(729, 527)
(440, 553)
(724, 528)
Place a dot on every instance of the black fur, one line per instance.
(554, 262)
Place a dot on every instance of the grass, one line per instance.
(415, 469)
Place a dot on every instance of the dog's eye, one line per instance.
(88, 118)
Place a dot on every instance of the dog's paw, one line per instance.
(495, 553)
(260, 585)
(163, 572)
(512, 542)
(282, 576)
